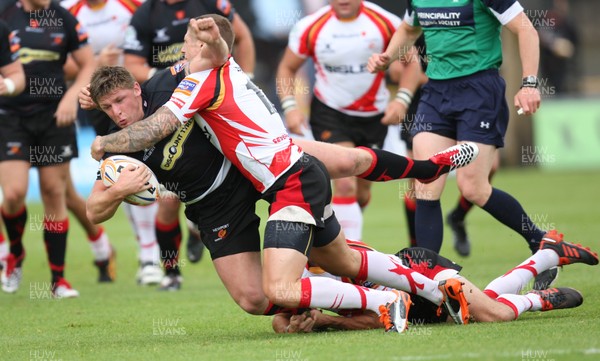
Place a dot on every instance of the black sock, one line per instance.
(55, 238)
(15, 226)
(168, 237)
(389, 166)
(506, 209)
(462, 208)
(429, 225)
(410, 207)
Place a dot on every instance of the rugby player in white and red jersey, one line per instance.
(350, 106)
(243, 125)
(500, 301)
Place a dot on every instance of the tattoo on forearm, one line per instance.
(142, 134)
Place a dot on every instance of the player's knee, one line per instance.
(345, 187)
(477, 194)
(14, 197)
(54, 196)
(253, 302)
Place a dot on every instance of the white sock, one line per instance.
(321, 292)
(536, 301)
(521, 303)
(100, 246)
(142, 221)
(388, 270)
(348, 213)
(514, 280)
(3, 248)
(518, 303)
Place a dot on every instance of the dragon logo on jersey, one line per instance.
(174, 147)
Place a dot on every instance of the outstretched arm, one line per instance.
(138, 136)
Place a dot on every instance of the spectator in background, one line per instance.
(558, 44)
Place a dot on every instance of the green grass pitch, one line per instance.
(123, 321)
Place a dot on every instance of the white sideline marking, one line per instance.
(474, 355)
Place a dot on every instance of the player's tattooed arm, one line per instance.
(138, 136)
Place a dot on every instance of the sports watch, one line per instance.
(530, 81)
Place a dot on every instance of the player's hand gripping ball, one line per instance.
(110, 170)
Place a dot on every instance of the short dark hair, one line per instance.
(107, 79)
(224, 26)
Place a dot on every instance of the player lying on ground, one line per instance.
(239, 196)
(499, 301)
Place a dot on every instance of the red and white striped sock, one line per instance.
(514, 280)
(521, 303)
(321, 292)
(142, 221)
(100, 245)
(389, 271)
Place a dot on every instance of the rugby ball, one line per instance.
(110, 170)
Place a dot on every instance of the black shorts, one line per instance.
(301, 194)
(332, 126)
(36, 139)
(227, 217)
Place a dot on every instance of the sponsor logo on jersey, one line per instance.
(186, 86)
(175, 69)
(346, 68)
(174, 148)
(161, 36)
(57, 38)
(148, 153)
(224, 6)
(446, 17)
(27, 55)
(178, 102)
(281, 138)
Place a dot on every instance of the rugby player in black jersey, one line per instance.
(37, 129)
(153, 41)
(155, 36)
(12, 82)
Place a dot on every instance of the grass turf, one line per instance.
(123, 321)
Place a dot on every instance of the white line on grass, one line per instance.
(475, 355)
